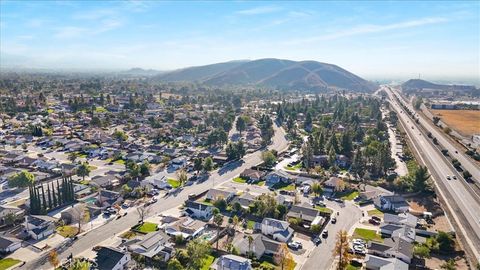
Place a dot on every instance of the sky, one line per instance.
(382, 40)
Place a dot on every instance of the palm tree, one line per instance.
(250, 243)
(218, 220)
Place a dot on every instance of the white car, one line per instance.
(359, 242)
(295, 245)
(448, 177)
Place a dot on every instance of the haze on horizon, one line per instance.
(391, 40)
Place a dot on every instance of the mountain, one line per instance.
(141, 72)
(275, 73)
(419, 85)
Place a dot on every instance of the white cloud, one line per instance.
(372, 28)
(70, 32)
(259, 10)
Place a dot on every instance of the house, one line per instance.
(373, 262)
(279, 230)
(320, 160)
(253, 175)
(9, 244)
(7, 210)
(260, 245)
(39, 227)
(369, 193)
(342, 161)
(72, 214)
(110, 258)
(276, 177)
(198, 210)
(106, 181)
(215, 194)
(401, 219)
(395, 247)
(108, 198)
(334, 184)
(305, 213)
(153, 244)
(394, 203)
(179, 162)
(231, 262)
(245, 200)
(186, 227)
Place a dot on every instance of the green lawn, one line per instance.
(351, 267)
(239, 180)
(120, 161)
(367, 235)
(261, 183)
(350, 195)
(50, 111)
(67, 231)
(324, 209)
(284, 186)
(294, 167)
(100, 109)
(146, 227)
(375, 212)
(92, 168)
(267, 265)
(250, 224)
(7, 263)
(128, 235)
(207, 262)
(174, 183)
(82, 155)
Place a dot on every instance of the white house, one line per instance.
(276, 177)
(155, 244)
(232, 262)
(112, 258)
(39, 227)
(186, 227)
(9, 244)
(279, 230)
(392, 203)
(198, 210)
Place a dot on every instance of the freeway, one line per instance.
(462, 202)
(466, 161)
(114, 227)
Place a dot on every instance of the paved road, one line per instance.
(115, 227)
(466, 161)
(463, 203)
(322, 256)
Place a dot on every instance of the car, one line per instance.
(454, 177)
(359, 241)
(317, 240)
(325, 234)
(359, 250)
(192, 196)
(295, 245)
(448, 177)
(373, 221)
(124, 214)
(334, 220)
(376, 218)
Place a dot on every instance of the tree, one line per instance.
(445, 242)
(126, 189)
(447, 130)
(436, 119)
(83, 170)
(241, 124)
(421, 251)
(81, 215)
(53, 258)
(174, 264)
(250, 244)
(341, 250)
(218, 220)
(421, 179)
(220, 203)
(449, 265)
(197, 251)
(143, 211)
(21, 179)
(197, 164)
(78, 264)
(182, 177)
(9, 219)
(283, 257)
(317, 188)
(268, 158)
(120, 136)
(145, 168)
(208, 164)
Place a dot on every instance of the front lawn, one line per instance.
(67, 231)
(367, 235)
(128, 235)
(267, 265)
(324, 209)
(350, 195)
(375, 212)
(7, 263)
(284, 186)
(120, 161)
(351, 267)
(146, 227)
(260, 183)
(239, 180)
(207, 262)
(174, 183)
(295, 167)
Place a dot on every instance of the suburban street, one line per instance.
(462, 202)
(114, 227)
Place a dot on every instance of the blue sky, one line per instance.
(373, 39)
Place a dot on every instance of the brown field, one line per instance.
(465, 122)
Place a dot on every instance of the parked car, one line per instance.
(317, 240)
(377, 218)
(373, 221)
(295, 245)
(334, 220)
(325, 234)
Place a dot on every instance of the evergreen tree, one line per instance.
(60, 194)
(44, 202)
(54, 196)
(49, 197)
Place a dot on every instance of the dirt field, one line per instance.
(465, 122)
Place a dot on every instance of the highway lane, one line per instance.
(466, 161)
(463, 203)
(114, 227)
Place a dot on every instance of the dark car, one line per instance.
(334, 220)
(373, 221)
(317, 240)
(325, 234)
(376, 218)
